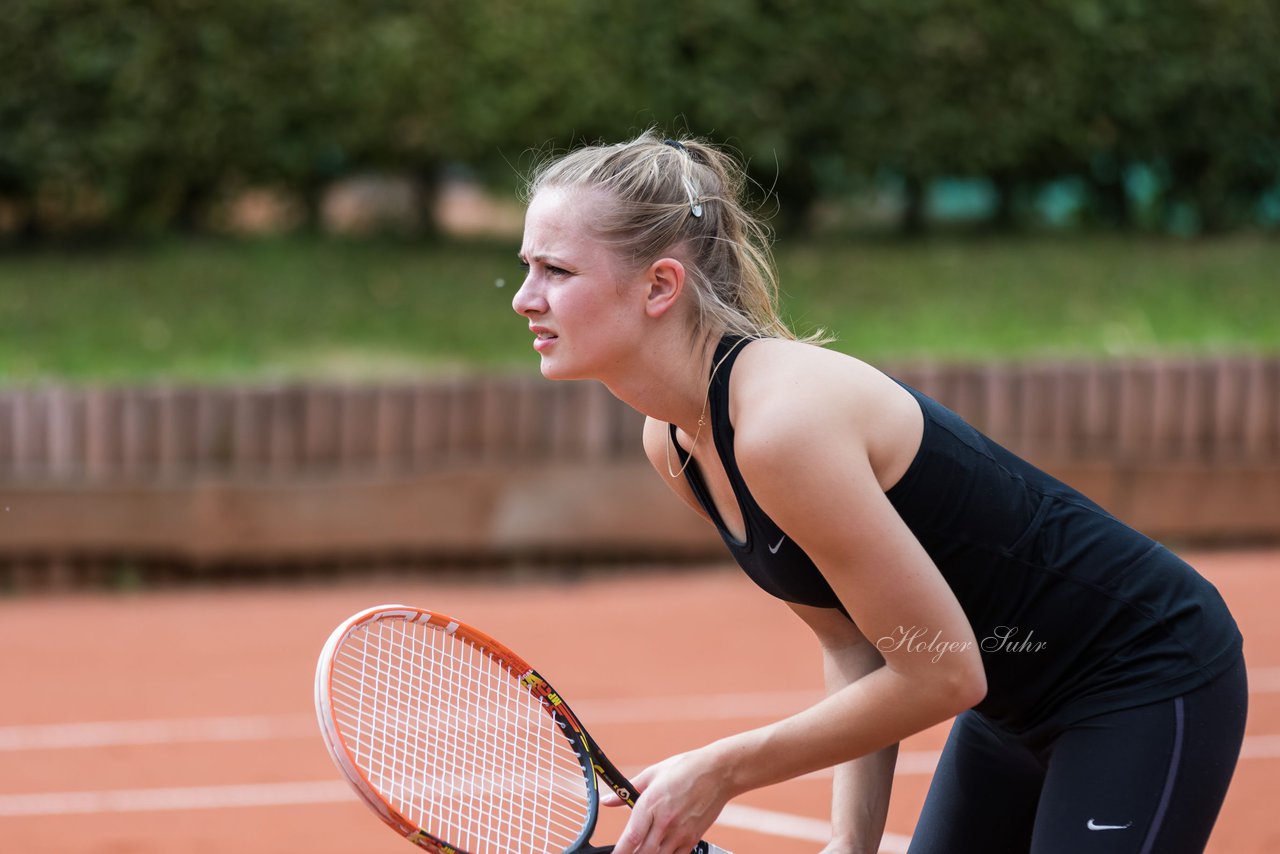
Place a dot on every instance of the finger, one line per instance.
(609, 798)
(641, 780)
(634, 834)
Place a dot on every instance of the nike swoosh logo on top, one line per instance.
(1092, 825)
(773, 550)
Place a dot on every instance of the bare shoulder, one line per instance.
(788, 396)
(774, 368)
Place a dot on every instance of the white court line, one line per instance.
(1260, 747)
(281, 794)
(1264, 680)
(769, 822)
(174, 798)
(791, 826)
(269, 727)
(327, 792)
(775, 823)
(707, 707)
(925, 762)
(159, 731)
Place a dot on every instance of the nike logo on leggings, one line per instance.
(1092, 825)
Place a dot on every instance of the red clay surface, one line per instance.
(225, 678)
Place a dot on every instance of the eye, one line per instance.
(550, 269)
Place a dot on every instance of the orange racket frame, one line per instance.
(592, 760)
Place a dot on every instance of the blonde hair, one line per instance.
(664, 194)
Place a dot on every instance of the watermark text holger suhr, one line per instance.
(918, 639)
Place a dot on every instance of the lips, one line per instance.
(543, 337)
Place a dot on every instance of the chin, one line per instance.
(553, 371)
(558, 369)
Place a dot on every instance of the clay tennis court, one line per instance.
(182, 721)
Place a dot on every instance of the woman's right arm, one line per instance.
(860, 788)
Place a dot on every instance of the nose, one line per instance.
(529, 299)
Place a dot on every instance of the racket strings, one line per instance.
(461, 782)
(455, 743)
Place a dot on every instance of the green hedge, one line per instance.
(140, 113)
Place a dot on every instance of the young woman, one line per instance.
(1098, 680)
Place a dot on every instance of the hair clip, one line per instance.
(695, 207)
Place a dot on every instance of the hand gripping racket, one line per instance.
(456, 742)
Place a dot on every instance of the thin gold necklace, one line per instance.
(670, 440)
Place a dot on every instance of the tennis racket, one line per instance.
(456, 742)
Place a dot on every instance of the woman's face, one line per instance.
(585, 316)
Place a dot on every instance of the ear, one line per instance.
(665, 282)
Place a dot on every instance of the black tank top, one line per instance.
(1074, 612)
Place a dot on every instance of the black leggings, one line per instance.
(1144, 780)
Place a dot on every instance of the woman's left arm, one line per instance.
(859, 788)
(814, 478)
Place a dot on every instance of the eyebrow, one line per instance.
(543, 258)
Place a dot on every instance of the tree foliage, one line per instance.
(141, 113)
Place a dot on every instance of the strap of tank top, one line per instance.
(722, 429)
(726, 354)
(722, 360)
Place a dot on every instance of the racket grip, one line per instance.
(708, 848)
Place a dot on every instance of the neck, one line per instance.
(668, 382)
